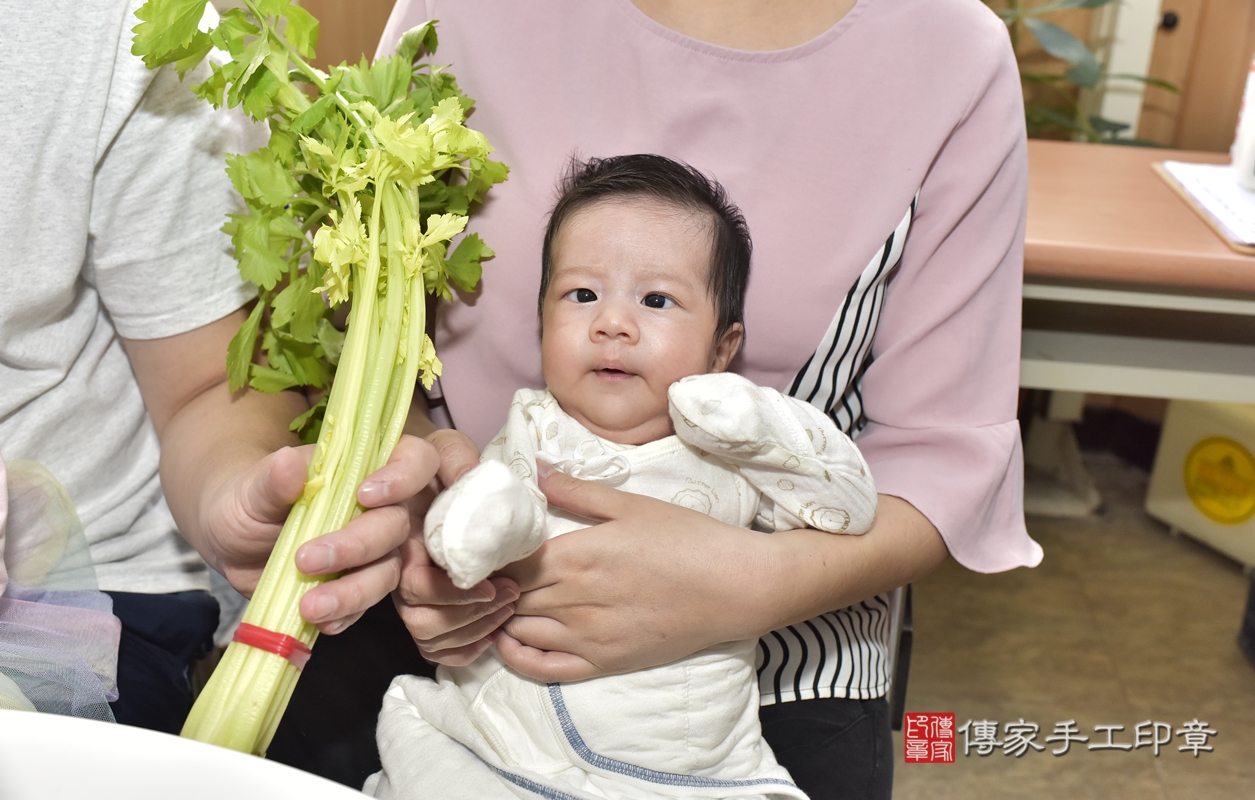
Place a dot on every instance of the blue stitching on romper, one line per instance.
(632, 770)
(533, 786)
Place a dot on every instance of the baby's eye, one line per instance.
(581, 295)
(655, 300)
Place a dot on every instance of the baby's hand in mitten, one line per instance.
(485, 520)
(809, 473)
(728, 416)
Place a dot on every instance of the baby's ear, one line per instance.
(727, 347)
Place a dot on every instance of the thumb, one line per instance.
(458, 453)
(587, 499)
(276, 483)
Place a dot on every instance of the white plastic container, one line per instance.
(1243, 150)
(1203, 482)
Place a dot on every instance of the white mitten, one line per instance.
(485, 520)
(809, 472)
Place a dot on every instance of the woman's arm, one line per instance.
(604, 600)
(655, 582)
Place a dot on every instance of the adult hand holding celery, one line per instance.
(368, 175)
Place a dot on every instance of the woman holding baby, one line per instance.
(877, 151)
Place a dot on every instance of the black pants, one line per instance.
(1246, 636)
(329, 726)
(833, 748)
(163, 636)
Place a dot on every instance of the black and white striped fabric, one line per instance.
(843, 653)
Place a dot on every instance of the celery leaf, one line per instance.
(258, 263)
(463, 265)
(301, 30)
(167, 30)
(240, 350)
(299, 307)
(271, 381)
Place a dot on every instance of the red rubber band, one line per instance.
(280, 644)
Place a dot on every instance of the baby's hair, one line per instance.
(653, 177)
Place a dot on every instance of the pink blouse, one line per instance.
(823, 146)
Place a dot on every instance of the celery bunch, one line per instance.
(368, 175)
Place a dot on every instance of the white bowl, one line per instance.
(50, 757)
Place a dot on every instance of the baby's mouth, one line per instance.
(613, 373)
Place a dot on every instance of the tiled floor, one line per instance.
(1121, 623)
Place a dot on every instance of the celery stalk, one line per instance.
(378, 166)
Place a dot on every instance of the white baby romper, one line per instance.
(742, 454)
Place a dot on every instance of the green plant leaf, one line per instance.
(1057, 5)
(1104, 125)
(417, 40)
(167, 30)
(1063, 45)
(240, 350)
(1043, 116)
(188, 58)
(252, 58)
(271, 381)
(332, 340)
(212, 88)
(311, 419)
(1043, 77)
(463, 265)
(260, 176)
(233, 28)
(259, 92)
(1156, 82)
(308, 119)
(258, 263)
(300, 308)
(301, 30)
(1087, 75)
(274, 7)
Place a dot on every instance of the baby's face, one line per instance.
(627, 313)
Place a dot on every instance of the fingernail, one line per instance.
(315, 559)
(508, 595)
(322, 607)
(371, 492)
(481, 595)
(543, 469)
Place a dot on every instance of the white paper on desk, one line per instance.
(1215, 188)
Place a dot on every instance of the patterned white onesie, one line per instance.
(744, 454)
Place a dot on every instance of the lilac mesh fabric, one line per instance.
(58, 635)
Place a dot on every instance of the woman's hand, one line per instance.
(653, 583)
(656, 582)
(450, 625)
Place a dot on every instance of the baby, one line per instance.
(643, 283)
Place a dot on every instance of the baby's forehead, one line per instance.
(627, 205)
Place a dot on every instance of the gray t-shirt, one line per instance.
(115, 191)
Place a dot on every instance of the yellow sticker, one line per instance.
(1220, 479)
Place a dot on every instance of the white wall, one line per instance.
(1126, 30)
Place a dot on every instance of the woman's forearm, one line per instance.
(656, 582)
(805, 573)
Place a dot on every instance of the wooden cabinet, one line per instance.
(348, 29)
(1207, 54)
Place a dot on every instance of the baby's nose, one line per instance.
(615, 322)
